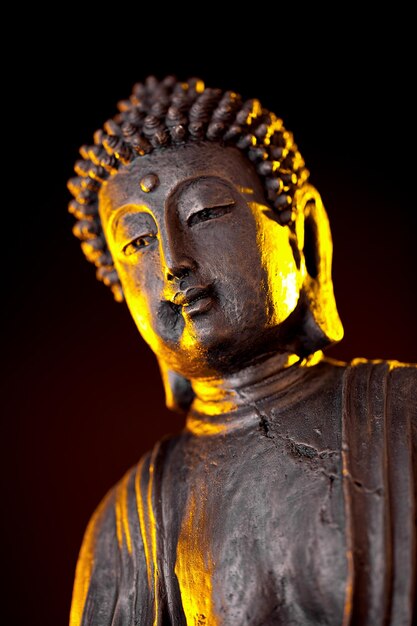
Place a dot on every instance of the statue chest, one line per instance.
(256, 530)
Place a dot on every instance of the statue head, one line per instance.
(196, 209)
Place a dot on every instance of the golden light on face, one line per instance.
(206, 226)
(283, 279)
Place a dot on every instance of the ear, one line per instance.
(315, 241)
(178, 391)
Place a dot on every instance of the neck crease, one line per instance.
(217, 396)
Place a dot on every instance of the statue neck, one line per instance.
(217, 396)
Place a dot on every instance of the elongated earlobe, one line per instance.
(317, 249)
(178, 391)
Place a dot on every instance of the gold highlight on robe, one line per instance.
(289, 496)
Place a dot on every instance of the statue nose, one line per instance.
(178, 265)
(177, 272)
(176, 253)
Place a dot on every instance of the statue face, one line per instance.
(207, 272)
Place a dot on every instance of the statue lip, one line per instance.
(190, 295)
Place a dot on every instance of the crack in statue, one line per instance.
(290, 495)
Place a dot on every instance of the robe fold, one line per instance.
(297, 509)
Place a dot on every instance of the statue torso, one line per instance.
(276, 513)
(261, 531)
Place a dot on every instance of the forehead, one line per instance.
(175, 165)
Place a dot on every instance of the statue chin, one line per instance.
(299, 335)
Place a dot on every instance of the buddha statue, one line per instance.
(290, 495)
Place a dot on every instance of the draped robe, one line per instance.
(297, 508)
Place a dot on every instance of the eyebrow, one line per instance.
(195, 181)
(120, 211)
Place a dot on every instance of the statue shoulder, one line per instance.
(119, 508)
(390, 383)
(112, 563)
(390, 363)
(397, 373)
(111, 542)
(402, 390)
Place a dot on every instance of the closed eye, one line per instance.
(138, 244)
(209, 213)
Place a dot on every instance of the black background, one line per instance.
(81, 392)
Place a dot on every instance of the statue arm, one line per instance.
(95, 579)
(379, 431)
(404, 492)
(111, 581)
